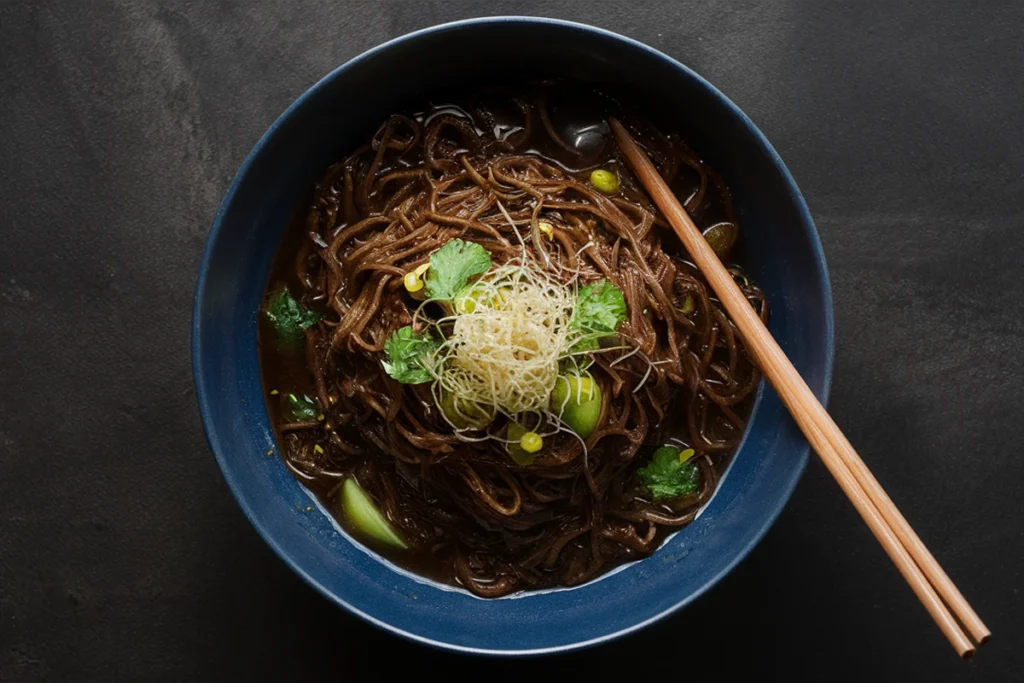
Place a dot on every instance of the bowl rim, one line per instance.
(205, 398)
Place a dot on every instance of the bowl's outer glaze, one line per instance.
(344, 109)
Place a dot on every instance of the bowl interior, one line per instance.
(343, 110)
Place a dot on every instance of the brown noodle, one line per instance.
(490, 525)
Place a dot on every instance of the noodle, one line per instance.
(474, 516)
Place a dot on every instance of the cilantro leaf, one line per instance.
(288, 316)
(405, 350)
(586, 344)
(453, 265)
(600, 308)
(670, 474)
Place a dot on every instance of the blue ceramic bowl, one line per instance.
(321, 127)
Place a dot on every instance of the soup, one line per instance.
(485, 351)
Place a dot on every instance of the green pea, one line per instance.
(721, 237)
(531, 442)
(514, 434)
(604, 181)
(465, 414)
(577, 400)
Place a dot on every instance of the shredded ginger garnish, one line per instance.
(506, 348)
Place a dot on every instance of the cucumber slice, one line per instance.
(365, 518)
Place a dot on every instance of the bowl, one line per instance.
(325, 123)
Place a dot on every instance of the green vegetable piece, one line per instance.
(288, 316)
(469, 298)
(515, 451)
(689, 305)
(301, 408)
(577, 401)
(364, 517)
(453, 266)
(405, 350)
(670, 474)
(604, 181)
(722, 237)
(465, 414)
(600, 308)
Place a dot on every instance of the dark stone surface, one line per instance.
(122, 555)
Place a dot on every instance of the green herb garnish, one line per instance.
(288, 316)
(600, 308)
(453, 265)
(670, 474)
(301, 408)
(405, 350)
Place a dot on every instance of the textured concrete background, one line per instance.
(122, 555)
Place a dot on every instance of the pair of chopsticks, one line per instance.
(927, 579)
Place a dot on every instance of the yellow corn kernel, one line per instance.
(412, 282)
(547, 229)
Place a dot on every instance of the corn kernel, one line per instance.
(412, 282)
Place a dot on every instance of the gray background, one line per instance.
(122, 554)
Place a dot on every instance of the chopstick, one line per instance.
(917, 565)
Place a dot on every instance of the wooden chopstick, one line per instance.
(907, 551)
